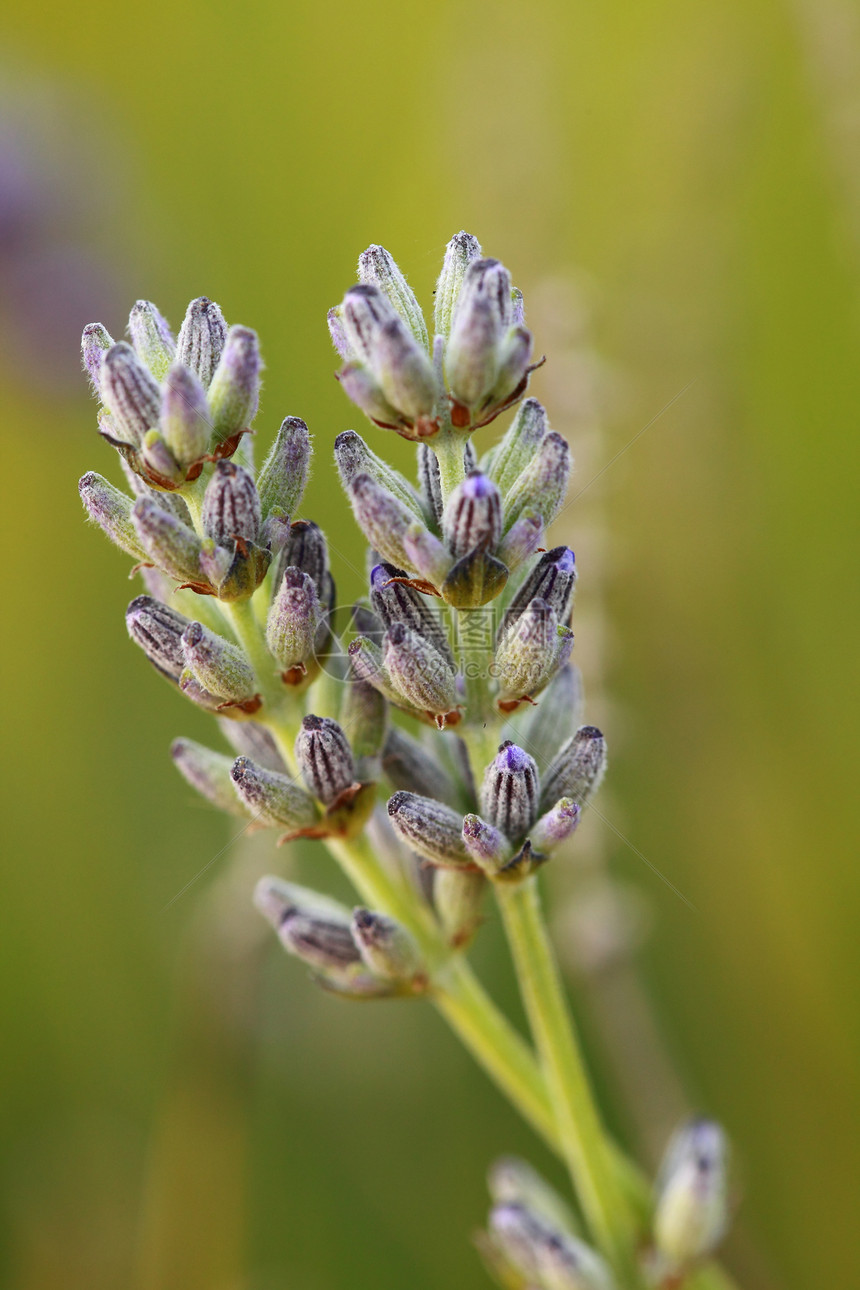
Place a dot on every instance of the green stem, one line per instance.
(583, 1139)
(449, 447)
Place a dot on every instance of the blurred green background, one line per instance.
(179, 1107)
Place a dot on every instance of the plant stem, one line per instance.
(448, 447)
(582, 1137)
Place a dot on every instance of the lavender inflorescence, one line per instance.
(448, 721)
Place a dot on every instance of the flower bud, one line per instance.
(487, 846)
(354, 458)
(519, 444)
(152, 338)
(306, 549)
(396, 602)
(577, 769)
(430, 828)
(209, 773)
(110, 508)
(382, 518)
(252, 740)
(473, 516)
(522, 539)
(376, 268)
(530, 653)
(95, 342)
(542, 485)
(160, 462)
(514, 1181)
(430, 479)
(692, 1201)
(459, 254)
(281, 482)
(423, 676)
(479, 324)
(385, 946)
(408, 766)
(231, 505)
(458, 895)
(515, 352)
(235, 388)
(221, 667)
(201, 339)
(361, 386)
(556, 826)
(272, 798)
(185, 420)
(364, 713)
(325, 758)
(426, 554)
(173, 546)
(157, 629)
(130, 393)
(509, 794)
(404, 371)
(293, 620)
(545, 1254)
(545, 725)
(309, 925)
(552, 580)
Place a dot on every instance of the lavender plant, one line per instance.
(429, 743)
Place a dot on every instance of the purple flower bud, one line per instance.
(539, 1251)
(325, 758)
(395, 602)
(95, 342)
(282, 480)
(306, 549)
(531, 652)
(159, 460)
(577, 770)
(235, 388)
(519, 444)
(361, 386)
(478, 328)
(423, 676)
(487, 846)
(364, 311)
(404, 371)
(552, 580)
(509, 794)
(157, 629)
(376, 268)
(209, 773)
(173, 546)
(692, 1194)
(201, 339)
(430, 828)
(293, 620)
(110, 508)
(426, 554)
(459, 254)
(542, 485)
(130, 393)
(272, 798)
(338, 332)
(523, 538)
(473, 516)
(185, 421)
(386, 947)
(382, 518)
(556, 826)
(231, 505)
(218, 665)
(354, 458)
(515, 353)
(407, 765)
(152, 338)
(252, 740)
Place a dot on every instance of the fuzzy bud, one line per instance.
(95, 343)
(231, 505)
(473, 516)
(209, 773)
(354, 458)
(542, 485)
(201, 339)
(396, 602)
(130, 393)
(552, 580)
(577, 769)
(157, 629)
(252, 740)
(692, 1200)
(544, 726)
(509, 794)
(459, 254)
(426, 554)
(306, 549)
(407, 765)
(423, 676)
(556, 826)
(325, 758)
(487, 846)
(531, 652)
(458, 895)
(513, 1180)
(282, 480)
(272, 798)
(523, 538)
(235, 388)
(293, 619)
(152, 338)
(376, 268)
(174, 546)
(480, 321)
(110, 508)
(364, 713)
(544, 1254)
(382, 518)
(185, 420)
(431, 829)
(218, 665)
(385, 946)
(519, 444)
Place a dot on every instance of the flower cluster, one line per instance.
(432, 742)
